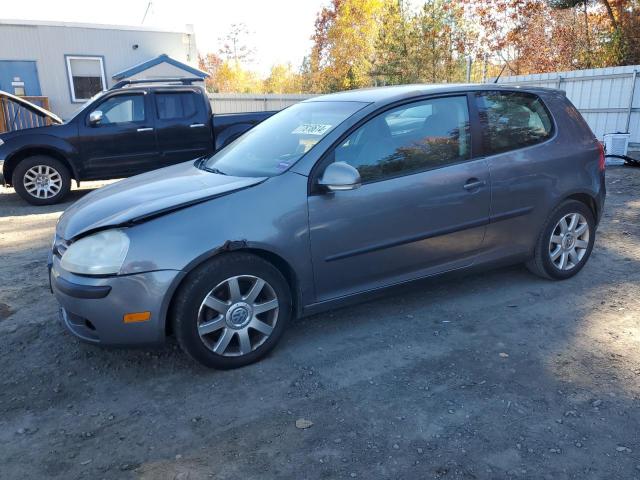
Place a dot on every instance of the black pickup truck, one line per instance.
(134, 127)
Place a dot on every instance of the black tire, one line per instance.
(24, 166)
(196, 287)
(541, 264)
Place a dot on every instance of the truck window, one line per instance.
(176, 105)
(122, 109)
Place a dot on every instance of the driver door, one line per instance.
(123, 143)
(422, 208)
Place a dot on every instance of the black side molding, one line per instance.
(405, 240)
(518, 212)
(436, 233)
(80, 291)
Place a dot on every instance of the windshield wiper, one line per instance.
(212, 169)
(201, 163)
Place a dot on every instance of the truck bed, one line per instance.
(229, 126)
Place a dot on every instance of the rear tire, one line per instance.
(565, 243)
(231, 311)
(41, 180)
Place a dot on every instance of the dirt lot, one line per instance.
(495, 375)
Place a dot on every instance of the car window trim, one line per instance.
(481, 147)
(324, 160)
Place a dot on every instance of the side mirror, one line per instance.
(340, 176)
(95, 118)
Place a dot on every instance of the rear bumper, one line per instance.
(93, 309)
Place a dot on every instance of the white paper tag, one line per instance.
(312, 129)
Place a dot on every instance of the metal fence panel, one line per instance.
(242, 102)
(608, 98)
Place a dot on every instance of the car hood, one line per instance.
(143, 196)
(31, 107)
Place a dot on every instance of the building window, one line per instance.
(86, 77)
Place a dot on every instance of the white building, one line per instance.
(70, 62)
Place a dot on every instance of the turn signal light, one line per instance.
(137, 317)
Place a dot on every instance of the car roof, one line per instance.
(400, 92)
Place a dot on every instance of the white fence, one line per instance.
(246, 102)
(608, 98)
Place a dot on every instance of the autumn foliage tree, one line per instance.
(359, 43)
(344, 44)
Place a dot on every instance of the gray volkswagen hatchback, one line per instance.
(325, 202)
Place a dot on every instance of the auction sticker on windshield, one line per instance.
(312, 129)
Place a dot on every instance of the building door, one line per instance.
(19, 77)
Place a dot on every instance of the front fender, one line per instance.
(18, 146)
(270, 217)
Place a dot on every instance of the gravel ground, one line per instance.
(492, 375)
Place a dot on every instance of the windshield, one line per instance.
(274, 145)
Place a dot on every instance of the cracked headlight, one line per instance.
(99, 254)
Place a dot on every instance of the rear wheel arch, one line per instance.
(12, 161)
(274, 259)
(586, 198)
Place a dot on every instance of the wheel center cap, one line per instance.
(568, 241)
(239, 315)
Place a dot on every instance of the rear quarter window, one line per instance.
(512, 120)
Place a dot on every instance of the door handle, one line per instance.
(474, 183)
(145, 129)
(196, 125)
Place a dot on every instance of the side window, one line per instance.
(177, 105)
(122, 109)
(512, 120)
(408, 139)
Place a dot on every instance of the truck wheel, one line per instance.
(41, 180)
(231, 311)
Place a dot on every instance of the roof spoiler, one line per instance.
(182, 81)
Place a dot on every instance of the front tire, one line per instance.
(231, 311)
(565, 243)
(41, 180)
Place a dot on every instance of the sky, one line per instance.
(279, 30)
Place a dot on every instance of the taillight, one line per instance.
(601, 161)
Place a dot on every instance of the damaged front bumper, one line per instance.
(97, 309)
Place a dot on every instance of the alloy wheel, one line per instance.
(42, 181)
(569, 241)
(238, 315)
